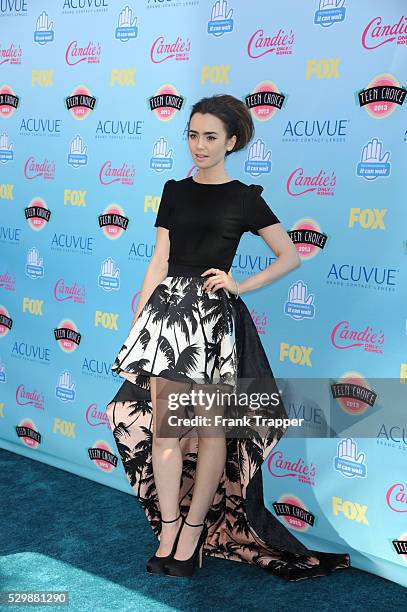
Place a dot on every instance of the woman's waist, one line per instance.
(186, 269)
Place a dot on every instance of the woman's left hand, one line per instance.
(219, 279)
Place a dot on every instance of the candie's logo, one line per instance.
(11, 55)
(282, 467)
(76, 54)
(64, 291)
(265, 100)
(165, 102)
(322, 183)
(123, 174)
(95, 417)
(113, 221)
(67, 336)
(39, 169)
(8, 101)
(162, 50)
(278, 42)
(80, 103)
(31, 397)
(8, 283)
(260, 321)
(377, 33)
(344, 337)
(382, 96)
(396, 497)
(308, 238)
(37, 214)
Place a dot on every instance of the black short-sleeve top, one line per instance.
(206, 221)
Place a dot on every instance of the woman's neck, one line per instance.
(208, 177)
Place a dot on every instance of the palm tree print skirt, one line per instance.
(185, 334)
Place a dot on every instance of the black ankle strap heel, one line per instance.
(155, 565)
(192, 525)
(186, 567)
(173, 520)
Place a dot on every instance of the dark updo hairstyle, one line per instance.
(234, 115)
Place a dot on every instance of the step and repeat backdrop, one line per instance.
(94, 101)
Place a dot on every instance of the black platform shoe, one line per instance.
(177, 567)
(155, 565)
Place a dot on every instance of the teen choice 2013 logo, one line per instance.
(80, 103)
(382, 96)
(308, 238)
(265, 100)
(37, 214)
(165, 102)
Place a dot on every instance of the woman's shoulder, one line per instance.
(250, 191)
(249, 187)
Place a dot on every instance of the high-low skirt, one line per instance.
(185, 334)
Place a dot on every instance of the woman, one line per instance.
(200, 488)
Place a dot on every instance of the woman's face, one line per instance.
(207, 140)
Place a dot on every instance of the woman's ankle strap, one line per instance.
(192, 525)
(173, 520)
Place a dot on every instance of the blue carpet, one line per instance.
(63, 532)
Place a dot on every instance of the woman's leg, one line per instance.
(209, 469)
(167, 468)
(210, 465)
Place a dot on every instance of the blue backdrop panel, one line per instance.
(94, 101)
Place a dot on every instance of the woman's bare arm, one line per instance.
(283, 247)
(156, 271)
